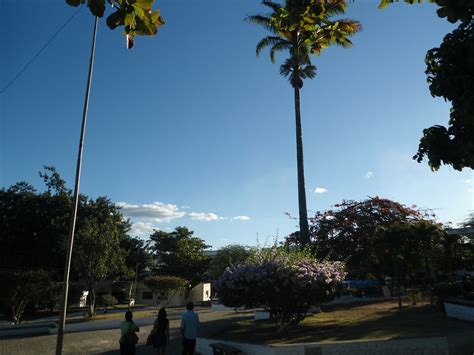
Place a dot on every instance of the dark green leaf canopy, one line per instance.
(452, 10)
(181, 254)
(450, 70)
(136, 16)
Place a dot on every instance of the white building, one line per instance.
(199, 294)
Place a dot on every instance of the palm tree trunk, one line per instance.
(304, 228)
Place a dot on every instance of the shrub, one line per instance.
(106, 301)
(284, 282)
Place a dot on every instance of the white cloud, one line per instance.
(320, 190)
(185, 207)
(241, 218)
(468, 181)
(142, 229)
(470, 190)
(157, 212)
(369, 174)
(205, 217)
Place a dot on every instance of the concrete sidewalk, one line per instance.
(173, 313)
(106, 341)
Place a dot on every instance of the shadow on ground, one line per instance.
(366, 322)
(208, 329)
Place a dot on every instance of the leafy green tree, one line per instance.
(138, 254)
(302, 27)
(181, 254)
(429, 237)
(163, 285)
(457, 253)
(135, 16)
(399, 255)
(97, 254)
(20, 288)
(35, 225)
(416, 246)
(228, 256)
(450, 72)
(347, 233)
(106, 301)
(50, 296)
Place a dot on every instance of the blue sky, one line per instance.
(190, 128)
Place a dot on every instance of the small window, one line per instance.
(147, 295)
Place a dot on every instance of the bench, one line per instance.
(224, 349)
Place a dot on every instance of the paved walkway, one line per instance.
(106, 341)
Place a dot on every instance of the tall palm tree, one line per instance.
(302, 27)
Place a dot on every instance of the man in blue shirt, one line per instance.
(189, 329)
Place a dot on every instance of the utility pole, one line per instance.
(72, 225)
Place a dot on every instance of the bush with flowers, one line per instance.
(286, 283)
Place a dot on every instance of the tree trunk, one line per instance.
(397, 276)
(304, 228)
(91, 303)
(18, 308)
(430, 281)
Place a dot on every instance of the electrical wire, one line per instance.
(40, 51)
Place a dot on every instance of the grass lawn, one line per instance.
(372, 321)
(125, 306)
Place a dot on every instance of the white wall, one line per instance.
(200, 293)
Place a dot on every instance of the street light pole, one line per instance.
(130, 292)
(72, 225)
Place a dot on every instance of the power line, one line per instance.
(40, 51)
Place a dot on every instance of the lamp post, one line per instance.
(72, 225)
(130, 292)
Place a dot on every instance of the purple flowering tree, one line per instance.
(285, 283)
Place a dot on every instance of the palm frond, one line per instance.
(286, 68)
(344, 43)
(349, 26)
(272, 5)
(346, 28)
(308, 72)
(266, 42)
(258, 19)
(280, 46)
(335, 7)
(261, 20)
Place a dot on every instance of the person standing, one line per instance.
(128, 338)
(161, 332)
(189, 329)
